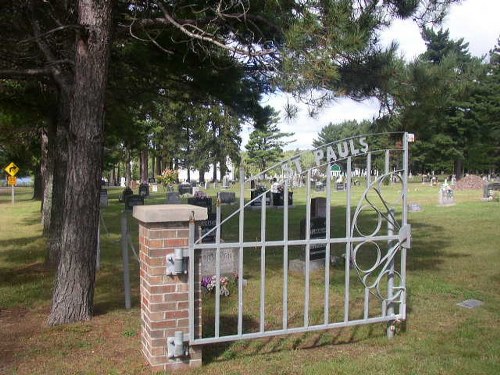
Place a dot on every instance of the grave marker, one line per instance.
(133, 200)
(317, 230)
(227, 197)
(173, 197)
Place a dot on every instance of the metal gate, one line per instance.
(350, 271)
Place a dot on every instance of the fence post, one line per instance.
(165, 297)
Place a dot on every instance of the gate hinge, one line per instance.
(177, 262)
(177, 346)
(405, 236)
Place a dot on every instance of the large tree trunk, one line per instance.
(128, 169)
(214, 172)
(459, 168)
(58, 156)
(74, 288)
(47, 173)
(144, 166)
(37, 184)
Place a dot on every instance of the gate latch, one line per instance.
(177, 262)
(177, 346)
(405, 236)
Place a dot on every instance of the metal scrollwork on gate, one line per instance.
(372, 258)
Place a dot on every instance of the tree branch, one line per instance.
(25, 73)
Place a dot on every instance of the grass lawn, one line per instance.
(455, 256)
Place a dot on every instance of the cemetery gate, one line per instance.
(280, 266)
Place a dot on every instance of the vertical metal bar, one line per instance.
(402, 309)
(308, 248)
(390, 275)
(326, 312)
(217, 269)
(285, 254)
(191, 279)
(12, 200)
(263, 262)
(240, 259)
(367, 303)
(387, 161)
(126, 271)
(348, 243)
(368, 169)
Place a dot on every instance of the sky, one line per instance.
(476, 21)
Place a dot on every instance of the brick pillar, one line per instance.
(165, 298)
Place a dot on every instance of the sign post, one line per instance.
(12, 170)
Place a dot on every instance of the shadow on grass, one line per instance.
(310, 340)
(24, 250)
(427, 247)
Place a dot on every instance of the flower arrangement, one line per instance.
(168, 177)
(200, 195)
(209, 283)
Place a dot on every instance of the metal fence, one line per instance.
(353, 272)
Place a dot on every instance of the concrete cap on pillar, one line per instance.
(163, 213)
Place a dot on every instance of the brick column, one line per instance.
(165, 298)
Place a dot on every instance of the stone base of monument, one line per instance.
(299, 265)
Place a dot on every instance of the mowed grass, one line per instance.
(455, 256)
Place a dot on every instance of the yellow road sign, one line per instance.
(11, 169)
(11, 180)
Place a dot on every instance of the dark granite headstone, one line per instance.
(103, 200)
(318, 207)
(202, 202)
(133, 200)
(340, 186)
(144, 190)
(207, 225)
(317, 230)
(279, 199)
(227, 197)
(255, 193)
(173, 197)
(185, 188)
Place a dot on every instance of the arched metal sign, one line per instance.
(337, 260)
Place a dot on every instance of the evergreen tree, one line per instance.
(265, 145)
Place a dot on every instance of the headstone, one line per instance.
(173, 197)
(229, 260)
(340, 186)
(227, 197)
(489, 190)
(122, 181)
(154, 187)
(414, 207)
(470, 303)
(317, 230)
(225, 182)
(126, 193)
(103, 200)
(202, 202)
(195, 190)
(446, 196)
(185, 188)
(319, 186)
(318, 207)
(279, 200)
(133, 200)
(255, 193)
(206, 226)
(144, 190)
